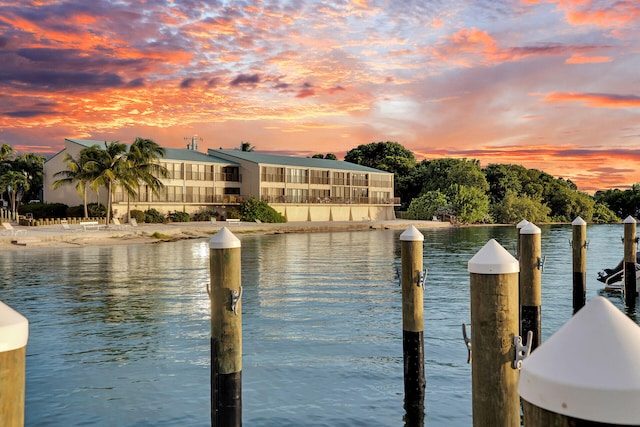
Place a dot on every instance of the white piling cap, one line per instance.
(579, 221)
(530, 228)
(629, 220)
(14, 329)
(589, 369)
(522, 223)
(411, 234)
(224, 239)
(493, 259)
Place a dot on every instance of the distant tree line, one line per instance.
(499, 193)
(447, 188)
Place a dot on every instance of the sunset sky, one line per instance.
(552, 85)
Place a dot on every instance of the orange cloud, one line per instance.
(598, 100)
(579, 59)
(587, 12)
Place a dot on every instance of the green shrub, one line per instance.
(205, 215)
(44, 210)
(254, 209)
(152, 216)
(233, 213)
(138, 215)
(178, 216)
(94, 209)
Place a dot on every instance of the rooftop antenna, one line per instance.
(192, 142)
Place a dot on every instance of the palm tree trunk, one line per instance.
(84, 199)
(109, 203)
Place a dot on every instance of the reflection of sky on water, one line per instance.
(120, 335)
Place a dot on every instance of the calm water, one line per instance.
(119, 336)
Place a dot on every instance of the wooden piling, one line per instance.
(494, 324)
(579, 255)
(413, 322)
(630, 244)
(530, 283)
(14, 333)
(519, 227)
(560, 385)
(225, 293)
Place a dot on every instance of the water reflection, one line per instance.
(120, 335)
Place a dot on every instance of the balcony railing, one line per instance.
(333, 200)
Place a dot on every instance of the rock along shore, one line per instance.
(56, 236)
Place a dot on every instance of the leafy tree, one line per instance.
(386, 156)
(442, 173)
(603, 215)
(328, 156)
(622, 203)
(411, 185)
(246, 146)
(470, 204)
(426, 205)
(513, 208)
(503, 179)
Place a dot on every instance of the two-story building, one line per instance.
(302, 189)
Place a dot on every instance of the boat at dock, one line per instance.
(613, 278)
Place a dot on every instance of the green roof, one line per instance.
(170, 153)
(302, 162)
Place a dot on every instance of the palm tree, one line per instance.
(142, 166)
(79, 172)
(32, 165)
(109, 169)
(15, 183)
(246, 146)
(6, 151)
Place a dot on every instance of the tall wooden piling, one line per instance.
(530, 283)
(413, 323)
(570, 380)
(225, 293)
(630, 244)
(579, 254)
(494, 324)
(14, 333)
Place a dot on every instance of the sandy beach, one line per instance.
(56, 236)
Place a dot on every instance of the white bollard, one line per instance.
(14, 333)
(588, 370)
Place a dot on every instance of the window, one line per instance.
(298, 176)
(272, 174)
(359, 179)
(319, 176)
(297, 195)
(340, 178)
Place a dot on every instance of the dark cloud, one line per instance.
(213, 82)
(187, 83)
(246, 79)
(74, 58)
(62, 79)
(28, 113)
(136, 83)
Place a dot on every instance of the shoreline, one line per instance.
(47, 236)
